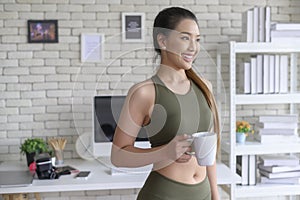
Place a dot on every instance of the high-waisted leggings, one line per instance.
(159, 187)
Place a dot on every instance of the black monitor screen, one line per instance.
(107, 111)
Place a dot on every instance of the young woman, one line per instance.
(171, 105)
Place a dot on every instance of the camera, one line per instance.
(44, 168)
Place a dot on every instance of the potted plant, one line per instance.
(242, 130)
(33, 146)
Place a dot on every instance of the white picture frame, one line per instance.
(133, 25)
(92, 47)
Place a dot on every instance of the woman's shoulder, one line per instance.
(143, 91)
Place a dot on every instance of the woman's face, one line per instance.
(182, 45)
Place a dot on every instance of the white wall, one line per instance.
(46, 91)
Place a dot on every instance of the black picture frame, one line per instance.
(133, 27)
(42, 31)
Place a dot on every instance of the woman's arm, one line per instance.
(162, 156)
(212, 177)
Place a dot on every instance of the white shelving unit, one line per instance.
(256, 148)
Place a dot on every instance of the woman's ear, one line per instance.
(161, 41)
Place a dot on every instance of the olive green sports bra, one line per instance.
(176, 114)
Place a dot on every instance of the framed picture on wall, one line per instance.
(133, 27)
(42, 31)
(92, 47)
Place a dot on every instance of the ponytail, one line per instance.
(200, 82)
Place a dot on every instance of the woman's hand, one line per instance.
(184, 158)
(177, 148)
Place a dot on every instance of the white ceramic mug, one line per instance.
(205, 147)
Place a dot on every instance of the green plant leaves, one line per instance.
(36, 145)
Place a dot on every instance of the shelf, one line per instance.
(260, 190)
(256, 148)
(233, 49)
(267, 98)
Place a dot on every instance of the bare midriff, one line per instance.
(188, 173)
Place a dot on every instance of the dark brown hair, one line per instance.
(166, 21)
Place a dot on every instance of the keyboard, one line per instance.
(105, 160)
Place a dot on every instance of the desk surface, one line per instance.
(100, 178)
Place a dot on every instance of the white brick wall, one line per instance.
(39, 82)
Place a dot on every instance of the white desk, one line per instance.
(100, 178)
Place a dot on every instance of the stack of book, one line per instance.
(256, 24)
(285, 32)
(264, 74)
(246, 167)
(277, 129)
(279, 169)
(257, 27)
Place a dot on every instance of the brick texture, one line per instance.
(39, 83)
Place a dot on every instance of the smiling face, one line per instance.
(181, 46)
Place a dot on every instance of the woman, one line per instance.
(171, 105)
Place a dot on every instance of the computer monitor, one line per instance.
(106, 113)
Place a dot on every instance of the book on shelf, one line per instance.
(266, 74)
(285, 26)
(280, 175)
(278, 169)
(276, 72)
(290, 40)
(273, 139)
(255, 23)
(261, 24)
(285, 33)
(268, 24)
(280, 125)
(288, 118)
(253, 75)
(242, 168)
(283, 75)
(247, 24)
(276, 131)
(271, 74)
(259, 74)
(252, 169)
(245, 78)
(286, 160)
(292, 180)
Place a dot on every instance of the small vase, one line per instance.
(240, 137)
(30, 158)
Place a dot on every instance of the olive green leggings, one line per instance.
(159, 187)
